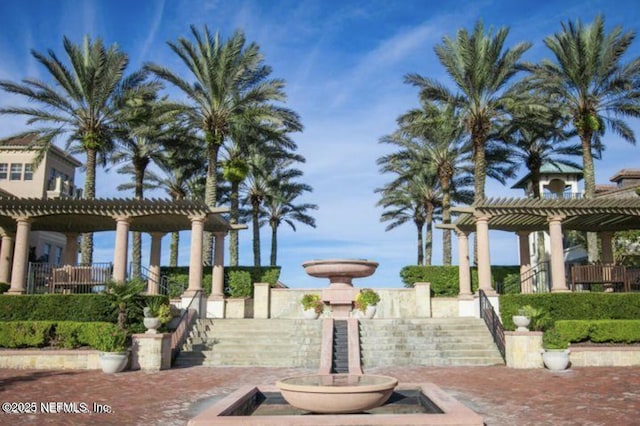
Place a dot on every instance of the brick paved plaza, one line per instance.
(503, 396)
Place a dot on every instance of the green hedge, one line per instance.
(573, 306)
(71, 307)
(445, 279)
(62, 334)
(4, 287)
(179, 275)
(597, 331)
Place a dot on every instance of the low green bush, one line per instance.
(63, 334)
(598, 331)
(573, 306)
(240, 284)
(26, 334)
(56, 307)
(180, 276)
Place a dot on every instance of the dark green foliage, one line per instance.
(4, 287)
(511, 284)
(180, 274)
(573, 306)
(240, 284)
(503, 274)
(596, 331)
(445, 279)
(56, 307)
(25, 334)
(63, 334)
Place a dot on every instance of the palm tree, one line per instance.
(80, 107)
(232, 94)
(594, 87)
(401, 206)
(444, 150)
(280, 207)
(481, 68)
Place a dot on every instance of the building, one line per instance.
(52, 178)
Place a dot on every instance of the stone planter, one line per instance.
(522, 322)
(556, 359)
(152, 324)
(310, 313)
(113, 362)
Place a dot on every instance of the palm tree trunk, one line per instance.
(589, 190)
(175, 242)
(446, 219)
(274, 245)
(136, 243)
(255, 224)
(419, 227)
(479, 175)
(210, 191)
(233, 219)
(86, 245)
(428, 244)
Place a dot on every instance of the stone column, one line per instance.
(484, 260)
(71, 249)
(6, 256)
(154, 263)
(525, 261)
(606, 239)
(20, 256)
(217, 276)
(464, 272)
(195, 261)
(558, 280)
(261, 300)
(121, 248)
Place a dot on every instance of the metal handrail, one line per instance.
(536, 279)
(488, 314)
(179, 335)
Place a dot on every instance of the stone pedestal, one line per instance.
(151, 352)
(423, 299)
(239, 307)
(215, 307)
(523, 349)
(261, 300)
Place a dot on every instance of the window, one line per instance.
(28, 172)
(16, 171)
(4, 168)
(58, 259)
(45, 252)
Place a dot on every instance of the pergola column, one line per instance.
(71, 249)
(484, 260)
(217, 276)
(121, 248)
(154, 262)
(525, 261)
(6, 253)
(606, 238)
(558, 280)
(20, 256)
(195, 261)
(464, 273)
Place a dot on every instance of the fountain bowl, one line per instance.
(337, 393)
(350, 268)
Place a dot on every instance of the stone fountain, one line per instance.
(341, 294)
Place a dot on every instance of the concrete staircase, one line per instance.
(427, 342)
(253, 342)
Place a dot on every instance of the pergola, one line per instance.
(20, 216)
(525, 215)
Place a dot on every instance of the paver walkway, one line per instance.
(503, 396)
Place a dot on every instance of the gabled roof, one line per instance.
(548, 168)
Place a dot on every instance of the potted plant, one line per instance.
(367, 301)
(156, 314)
(312, 306)
(555, 354)
(112, 346)
(528, 317)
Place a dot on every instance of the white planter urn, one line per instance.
(310, 313)
(370, 312)
(152, 324)
(522, 322)
(113, 362)
(556, 359)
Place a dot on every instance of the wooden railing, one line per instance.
(79, 279)
(611, 278)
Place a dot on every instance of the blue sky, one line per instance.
(344, 63)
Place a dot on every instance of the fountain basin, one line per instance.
(337, 393)
(340, 270)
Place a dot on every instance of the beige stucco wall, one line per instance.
(522, 349)
(50, 359)
(604, 356)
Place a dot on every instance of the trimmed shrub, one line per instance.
(240, 284)
(573, 306)
(56, 307)
(598, 331)
(63, 334)
(26, 334)
(180, 275)
(444, 279)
